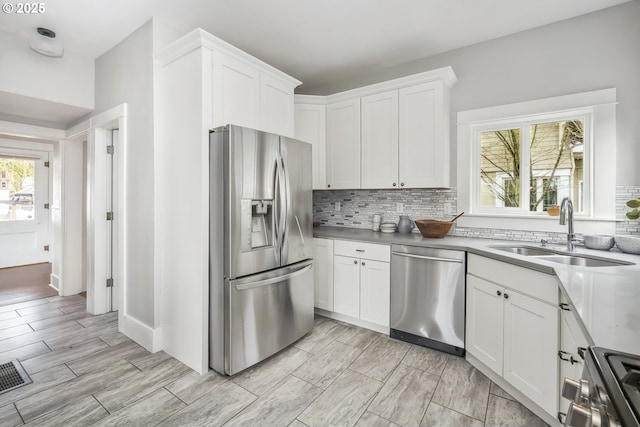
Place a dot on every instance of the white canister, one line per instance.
(376, 222)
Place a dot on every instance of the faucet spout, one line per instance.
(566, 213)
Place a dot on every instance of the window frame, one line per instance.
(601, 218)
(524, 124)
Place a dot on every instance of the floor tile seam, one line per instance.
(461, 413)
(369, 376)
(18, 412)
(383, 384)
(176, 396)
(426, 408)
(67, 349)
(298, 420)
(19, 335)
(283, 380)
(130, 403)
(402, 362)
(322, 389)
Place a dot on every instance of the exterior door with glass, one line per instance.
(24, 207)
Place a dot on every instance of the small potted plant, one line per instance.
(634, 204)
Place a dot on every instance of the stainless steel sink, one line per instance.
(583, 261)
(562, 257)
(525, 250)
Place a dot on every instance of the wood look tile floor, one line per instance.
(86, 373)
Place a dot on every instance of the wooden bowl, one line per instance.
(432, 228)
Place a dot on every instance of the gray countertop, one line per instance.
(606, 299)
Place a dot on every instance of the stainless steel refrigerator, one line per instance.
(261, 268)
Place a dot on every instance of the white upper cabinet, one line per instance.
(379, 159)
(310, 126)
(237, 85)
(276, 106)
(393, 134)
(424, 136)
(343, 144)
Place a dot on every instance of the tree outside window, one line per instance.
(554, 167)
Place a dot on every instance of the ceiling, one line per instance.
(317, 42)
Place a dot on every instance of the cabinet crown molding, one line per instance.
(200, 38)
(444, 75)
(310, 99)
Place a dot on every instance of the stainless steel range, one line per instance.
(608, 394)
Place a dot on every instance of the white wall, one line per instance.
(67, 80)
(124, 74)
(595, 51)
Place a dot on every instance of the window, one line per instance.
(514, 161)
(16, 191)
(529, 167)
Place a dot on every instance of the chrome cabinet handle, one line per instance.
(355, 262)
(359, 250)
(394, 184)
(562, 355)
(506, 296)
(362, 263)
(402, 184)
(429, 258)
(498, 293)
(564, 306)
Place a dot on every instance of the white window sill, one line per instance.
(581, 225)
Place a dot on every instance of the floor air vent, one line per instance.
(12, 375)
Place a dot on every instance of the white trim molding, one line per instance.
(600, 216)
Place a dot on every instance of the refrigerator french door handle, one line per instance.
(276, 207)
(285, 200)
(299, 229)
(266, 282)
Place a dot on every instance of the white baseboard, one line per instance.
(146, 336)
(54, 282)
(353, 321)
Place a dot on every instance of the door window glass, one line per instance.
(17, 183)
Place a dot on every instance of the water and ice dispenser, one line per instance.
(257, 224)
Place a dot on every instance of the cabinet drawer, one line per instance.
(362, 250)
(544, 287)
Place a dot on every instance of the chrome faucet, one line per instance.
(566, 210)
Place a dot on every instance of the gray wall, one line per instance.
(595, 51)
(125, 74)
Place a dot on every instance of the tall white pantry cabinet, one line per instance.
(201, 82)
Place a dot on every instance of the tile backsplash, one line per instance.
(624, 194)
(358, 206)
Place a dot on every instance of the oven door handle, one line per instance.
(429, 258)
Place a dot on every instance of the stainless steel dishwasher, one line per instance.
(428, 297)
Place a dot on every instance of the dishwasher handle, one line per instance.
(429, 258)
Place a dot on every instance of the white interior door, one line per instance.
(24, 207)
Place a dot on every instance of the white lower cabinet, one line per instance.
(515, 332)
(323, 273)
(346, 285)
(361, 284)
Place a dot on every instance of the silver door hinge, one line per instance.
(46, 164)
(109, 216)
(110, 149)
(46, 205)
(46, 248)
(109, 283)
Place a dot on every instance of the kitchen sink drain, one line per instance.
(12, 375)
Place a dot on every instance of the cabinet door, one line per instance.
(380, 140)
(423, 136)
(375, 279)
(343, 144)
(323, 276)
(346, 285)
(531, 349)
(236, 92)
(485, 322)
(310, 126)
(276, 106)
(571, 337)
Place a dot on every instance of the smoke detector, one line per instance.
(45, 43)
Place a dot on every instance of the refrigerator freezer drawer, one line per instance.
(265, 313)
